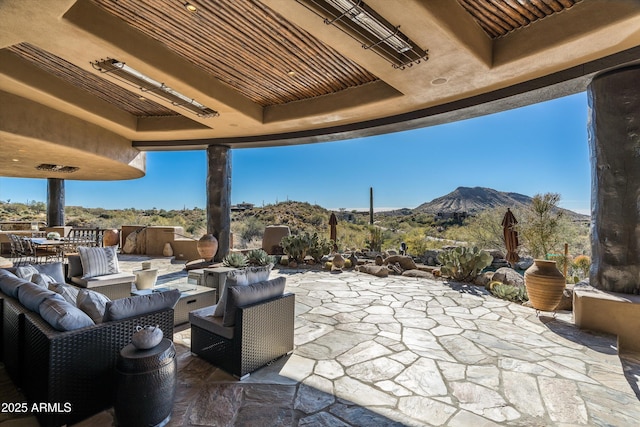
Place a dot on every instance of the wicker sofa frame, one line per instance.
(262, 332)
(74, 366)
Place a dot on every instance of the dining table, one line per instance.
(46, 250)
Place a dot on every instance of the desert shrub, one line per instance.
(541, 224)
(297, 247)
(582, 264)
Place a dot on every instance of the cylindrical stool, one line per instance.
(145, 385)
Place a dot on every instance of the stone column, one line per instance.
(55, 202)
(614, 142)
(219, 197)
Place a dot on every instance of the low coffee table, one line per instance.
(192, 297)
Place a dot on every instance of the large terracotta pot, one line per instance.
(111, 238)
(207, 246)
(545, 285)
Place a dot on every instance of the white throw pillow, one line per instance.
(234, 278)
(258, 274)
(98, 261)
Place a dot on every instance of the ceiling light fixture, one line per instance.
(359, 21)
(124, 73)
(56, 168)
(191, 8)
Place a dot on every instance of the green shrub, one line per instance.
(463, 264)
(582, 263)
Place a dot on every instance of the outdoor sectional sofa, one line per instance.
(72, 370)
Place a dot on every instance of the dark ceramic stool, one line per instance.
(145, 385)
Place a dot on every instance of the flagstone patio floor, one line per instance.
(403, 351)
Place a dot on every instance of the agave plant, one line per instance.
(235, 259)
(260, 257)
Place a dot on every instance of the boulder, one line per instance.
(430, 257)
(395, 268)
(376, 270)
(508, 276)
(129, 246)
(566, 303)
(483, 279)
(406, 262)
(524, 263)
(496, 254)
(418, 273)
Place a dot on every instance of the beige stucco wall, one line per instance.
(609, 312)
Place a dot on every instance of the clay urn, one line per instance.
(338, 261)
(207, 246)
(111, 238)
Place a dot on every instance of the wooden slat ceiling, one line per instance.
(95, 85)
(499, 17)
(246, 45)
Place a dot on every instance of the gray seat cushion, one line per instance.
(9, 283)
(108, 279)
(240, 296)
(203, 318)
(31, 295)
(141, 304)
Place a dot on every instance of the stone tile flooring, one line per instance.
(411, 352)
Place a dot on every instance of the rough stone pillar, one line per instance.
(55, 202)
(614, 142)
(219, 197)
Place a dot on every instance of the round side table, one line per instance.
(145, 385)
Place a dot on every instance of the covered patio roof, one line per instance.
(92, 84)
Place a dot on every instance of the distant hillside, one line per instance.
(476, 199)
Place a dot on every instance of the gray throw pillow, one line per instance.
(234, 278)
(68, 292)
(141, 304)
(43, 280)
(9, 283)
(53, 269)
(74, 266)
(26, 271)
(31, 295)
(92, 303)
(63, 316)
(240, 296)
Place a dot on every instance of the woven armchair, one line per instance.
(262, 332)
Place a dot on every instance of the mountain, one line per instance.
(476, 199)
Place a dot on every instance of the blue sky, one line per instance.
(535, 149)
